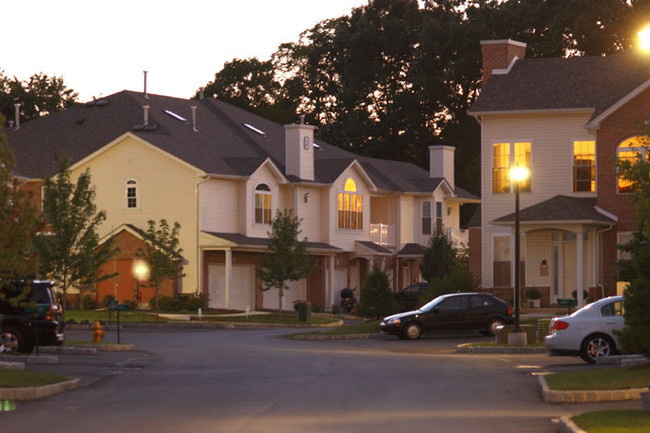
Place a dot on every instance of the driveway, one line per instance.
(185, 380)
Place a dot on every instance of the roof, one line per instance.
(412, 249)
(250, 242)
(561, 209)
(222, 144)
(564, 84)
(374, 248)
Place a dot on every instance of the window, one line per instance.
(350, 207)
(505, 156)
(501, 264)
(613, 309)
(262, 204)
(132, 194)
(438, 215)
(426, 217)
(632, 149)
(584, 166)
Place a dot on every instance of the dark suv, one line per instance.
(35, 320)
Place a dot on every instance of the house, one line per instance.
(568, 120)
(222, 173)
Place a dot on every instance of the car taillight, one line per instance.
(51, 313)
(558, 325)
(509, 310)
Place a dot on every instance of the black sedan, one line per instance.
(454, 312)
(407, 299)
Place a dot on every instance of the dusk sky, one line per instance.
(101, 47)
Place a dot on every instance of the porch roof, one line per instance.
(242, 241)
(411, 250)
(374, 248)
(561, 209)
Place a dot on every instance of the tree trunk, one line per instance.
(280, 295)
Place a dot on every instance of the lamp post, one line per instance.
(518, 175)
(140, 271)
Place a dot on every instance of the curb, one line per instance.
(568, 426)
(583, 396)
(471, 348)
(38, 392)
(7, 365)
(304, 337)
(208, 325)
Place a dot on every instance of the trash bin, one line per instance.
(304, 312)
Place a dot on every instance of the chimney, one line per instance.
(441, 163)
(145, 109)
(299, 149)
(499, 54)
(17, 116)
(145, 85)
(194, 128)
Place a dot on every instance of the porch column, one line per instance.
(228, 276)
(329, 299)
(580, 259)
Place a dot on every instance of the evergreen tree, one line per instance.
(70, 251)
(439, 256)
(286, 258)
(162, 255)
(635, 337)
(377, 299)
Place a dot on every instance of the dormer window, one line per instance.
(262, 204)
(132, 194)
(350, 207)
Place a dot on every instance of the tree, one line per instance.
(162, 254)
(20, 221)
(38, 96)
(377, 299)
(439, 256)
(635, 337)
(286, 258)
(457, 279)
(70, 250)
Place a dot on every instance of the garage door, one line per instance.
(242, 294)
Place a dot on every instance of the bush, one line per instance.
(377, 299)
(178, 302)
(336, 309)
(108, 300)
(458, 279)
(88, 302)
(585, 294)
(533, 294)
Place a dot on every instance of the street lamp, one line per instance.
(644, 38)
(518, 175)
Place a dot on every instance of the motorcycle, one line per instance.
(348, 300)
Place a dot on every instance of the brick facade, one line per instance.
(499, 54)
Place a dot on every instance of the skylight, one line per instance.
(175, 116)
(254, 129)
(317, 146)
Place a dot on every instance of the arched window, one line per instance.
(630, 150)
(350, 207)
(132, 195)
(262, 204)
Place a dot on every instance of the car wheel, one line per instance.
(596, 346)
(493, 324)
(15, 340)
(412, 331)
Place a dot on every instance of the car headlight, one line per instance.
(395, 322)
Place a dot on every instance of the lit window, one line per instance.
(505, 156)
(584, 166)
(132, 194)
(262, 204)
(632, 149)
(350, 206)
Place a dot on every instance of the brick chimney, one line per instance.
(498, 54)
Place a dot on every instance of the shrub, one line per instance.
(108, 300)
(377, 300)
(336, 309)
(533, 294)
(178, 302)
(585, 294)
(458, 279)
(88, 302)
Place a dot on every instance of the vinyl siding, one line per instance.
(220, 212)
(342, 238)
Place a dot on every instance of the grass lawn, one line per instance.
(600, 379)
(614, 421)
(285, 318)
(25, 378)
(129, 316)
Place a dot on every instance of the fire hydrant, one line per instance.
(97, 332)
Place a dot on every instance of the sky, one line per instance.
(101, 47)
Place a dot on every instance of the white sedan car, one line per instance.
(588, 332)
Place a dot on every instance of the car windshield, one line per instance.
(432, 304)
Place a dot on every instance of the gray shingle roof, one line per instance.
(558, 209)
(223, 144)
(564, 83)
(246, 241)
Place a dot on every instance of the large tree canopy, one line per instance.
(38, 96)
(396, 76)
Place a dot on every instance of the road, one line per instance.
(183, 380)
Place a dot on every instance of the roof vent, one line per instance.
(194, 128)
(17, 115)
(145, 84)
(102, 102)
(145, 109)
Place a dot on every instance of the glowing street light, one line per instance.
(518, 175)
(644, 38)
(140, 271)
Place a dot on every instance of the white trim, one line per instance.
(533, 112)
(137, 194)
(505, 71)
(595, 123)
(607, 214)
(504, 41)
